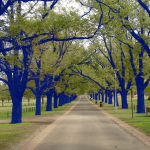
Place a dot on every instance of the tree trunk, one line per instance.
(42, 99)
(55, 100)
(49, 102)
(102, 97)
(124, 99)
(63, 99)
(106, 96)
(132, 94)
(140, 95)
(110, 97)
(28, 101)
(16, 112)
(90, 95)
(38, 103)
(60, 103)
(69, 99)
(99, 96)
(60, 99)
(66, 99)
(2, 103)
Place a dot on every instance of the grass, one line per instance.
(140, 121)
(24, 103)
(11, 134)
(5, 112)
(59, 110)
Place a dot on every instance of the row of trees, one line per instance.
(121, 43)
(40, 48)
(32, 57)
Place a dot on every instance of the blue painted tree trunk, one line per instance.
(124, 99)
(38, 97)
(110, 97)
(105, 96)
(67, 99)
(60, 100)
(91, 95)
(102, 97)
(140, 94)
(38, 103)
(96, 95)
(49, 102)
(140, 85)
(16, 111)
(63, 100)
(55, 100)
(99, 96)
(16, 97)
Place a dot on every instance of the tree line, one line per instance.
(43, 50)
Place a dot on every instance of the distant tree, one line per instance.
(29, 95)
(4, 94)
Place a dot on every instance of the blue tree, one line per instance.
(111, 53)
(21, 77)
(139, 74)
(17, 76)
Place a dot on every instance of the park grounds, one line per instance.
(14, 136)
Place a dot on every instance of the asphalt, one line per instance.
(85, 127)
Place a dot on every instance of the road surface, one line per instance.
(87, 128)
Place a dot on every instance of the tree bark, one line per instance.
(38, 103)
(110, 97)
(102, 97)
(106, 96)
(49, 102)
(42, 99)
(2, 103)
(28, 101)
(55, 100)
(140, 95)
(16, 111)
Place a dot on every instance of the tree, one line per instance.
(28, 94)
(4, 93)
(23, 36)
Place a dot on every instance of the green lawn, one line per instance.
(5, 112)
(24, 103)
(13, 133)
(140, 121)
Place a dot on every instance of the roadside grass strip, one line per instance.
(139, 121)
(29, 110)
(13, 133)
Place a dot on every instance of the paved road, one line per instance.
(86, 128)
